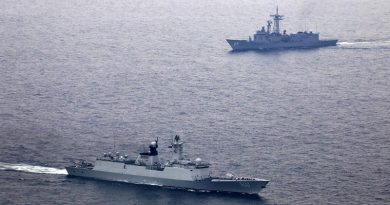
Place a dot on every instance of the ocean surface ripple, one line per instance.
(78, 77)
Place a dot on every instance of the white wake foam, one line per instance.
(31, 168)
(364, 43)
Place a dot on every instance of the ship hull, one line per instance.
(244, 45)
(209, 184)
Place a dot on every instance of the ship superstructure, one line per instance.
(178, 172)
(267, 38)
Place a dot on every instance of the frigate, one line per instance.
(178, 172)
(271, 38)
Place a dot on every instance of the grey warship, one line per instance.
(267, 39)
(179, 172)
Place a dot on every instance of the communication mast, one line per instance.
(277, 18)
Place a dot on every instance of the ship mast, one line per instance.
(177, 146)
(277, 18)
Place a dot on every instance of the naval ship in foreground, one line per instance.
(178, 172)
(267, 40)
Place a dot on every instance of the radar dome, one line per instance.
(153, 144)
(197, 160)
(229, 175)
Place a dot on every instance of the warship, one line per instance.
(267, 39)
(178, 172)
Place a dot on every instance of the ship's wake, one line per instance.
(31, 168)
(365, 44)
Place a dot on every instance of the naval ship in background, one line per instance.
(266, 39)
(178, 172)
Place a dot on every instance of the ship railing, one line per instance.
(237, 178)
(159, 167)
(84, 164)
(185, 164)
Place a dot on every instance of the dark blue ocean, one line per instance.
(78, 78)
